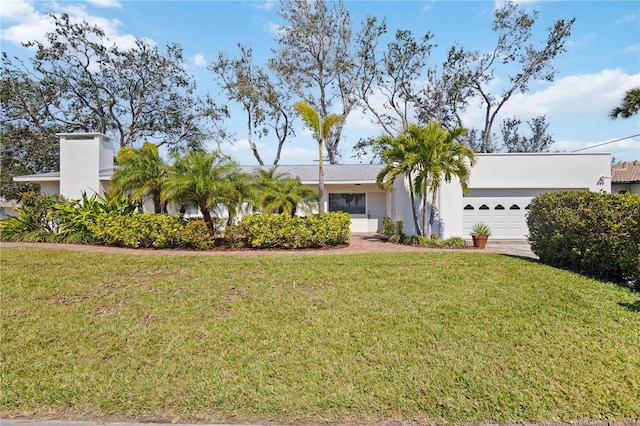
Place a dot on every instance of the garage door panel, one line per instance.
(508, 221)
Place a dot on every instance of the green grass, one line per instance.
(445, 337)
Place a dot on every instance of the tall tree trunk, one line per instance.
(320, 180)
(432, 214)
(426, 232)
(204, 209)
(413, 207)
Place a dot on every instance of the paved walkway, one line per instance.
(360, 244)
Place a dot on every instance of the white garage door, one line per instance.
(505, 211)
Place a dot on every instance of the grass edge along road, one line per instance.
(428, 337)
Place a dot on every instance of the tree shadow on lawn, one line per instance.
(527, 258)
(633, 307)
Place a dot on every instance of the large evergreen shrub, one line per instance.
(284, 231)
(593, 233)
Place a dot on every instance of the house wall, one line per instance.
(49, 187)
(376, 205)
(82, 157)
(504, 177)
(628, 187)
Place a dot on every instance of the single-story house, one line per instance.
(625, 177)
(501, 186)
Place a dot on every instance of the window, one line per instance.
(350, 203)
(514, 207)
(499, 207)
(484, 207)
(468, 207)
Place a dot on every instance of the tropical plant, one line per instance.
(241, 192)
(36, 220)
(440, 157)
(75, 217)
(141, 175)
(322, 128)
(399, 158)
(201, 178)
(480, 229)
(282, 193)
(425, 156)
(630, 105)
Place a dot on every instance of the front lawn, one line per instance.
(445, 337)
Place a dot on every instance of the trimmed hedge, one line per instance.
(284, 231)
(138, 230)
(593, 233)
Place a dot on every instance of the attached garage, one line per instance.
(505, 211)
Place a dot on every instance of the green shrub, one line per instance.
(333, 229)
(284, 231)
(399, 227)
(76, 216)
(453, 242)
(388, 227)
(196, 235)
(235, 235)
(138, 230)
(37, 219)
(433, 242)
(594, 233)
(416, 240)
(396, 238)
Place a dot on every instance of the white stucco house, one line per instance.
(501, 186)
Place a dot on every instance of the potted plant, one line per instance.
(480, 233)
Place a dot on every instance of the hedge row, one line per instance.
(150, 230)
(283, 231)
(593, 233)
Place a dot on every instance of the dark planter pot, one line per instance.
(480, 241)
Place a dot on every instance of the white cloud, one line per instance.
(500, 3)
(266, 5)
(199, 61)
(15, 9)
(105, 3)
(581, 93)
(273, 28)
(627, 148)
(298, 155)
(627, 19)
(632, 48)
(33, 25)
(427, 5)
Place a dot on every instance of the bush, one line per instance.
(284, 231)
(138, 230)
(594, 233)
(388, 227)
(416, 240)
(396, 238)
(76, 216)
(453, 242)
(37, 219)
(196, 235)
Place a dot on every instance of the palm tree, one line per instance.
(399, 156)
(425, 156)
(322, 128)
(241, 194)
(282, 193)
(630, 105)
(141, 175)
(202, 178)
(440, 157)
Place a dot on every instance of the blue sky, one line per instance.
(602, 59)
